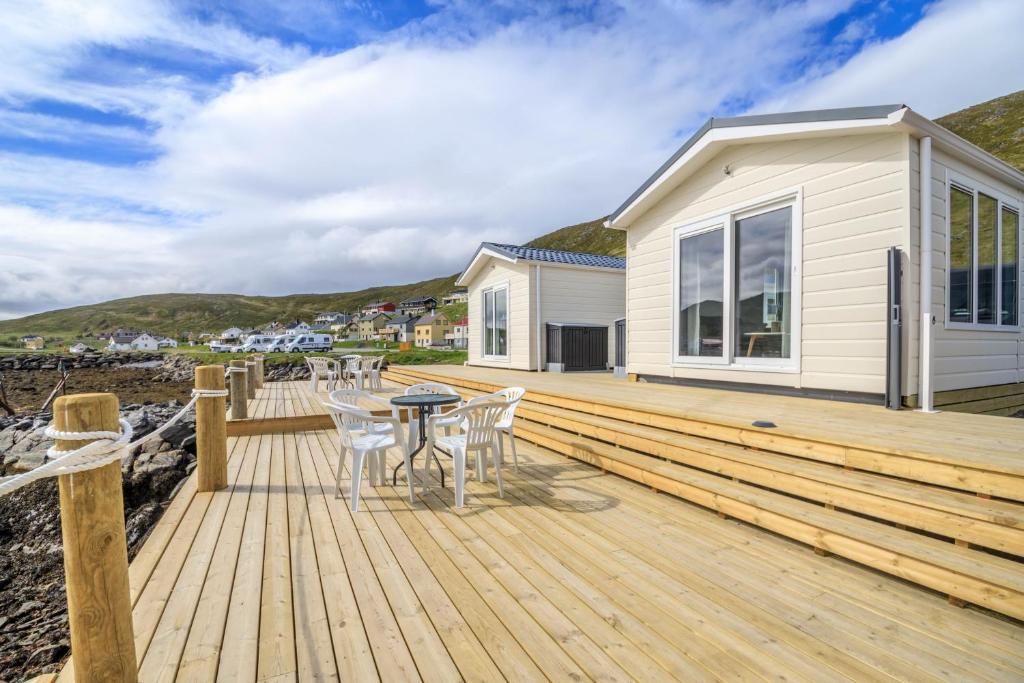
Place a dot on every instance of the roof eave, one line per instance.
(716, 134)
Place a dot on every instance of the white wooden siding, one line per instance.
(962, 358)
(520, 342)
(855, 206)
(576, 295)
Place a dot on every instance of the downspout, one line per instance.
(924, 384)
(536, 296)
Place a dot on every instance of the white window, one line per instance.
(737, 288)
(495, 327)
(983, 258)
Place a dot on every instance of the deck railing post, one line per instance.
(259, 370)
(211, 431)
(95, 549)
(250, 378)
(239, 394)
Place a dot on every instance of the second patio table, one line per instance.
(426, 403)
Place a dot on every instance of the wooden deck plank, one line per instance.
(212, 544)
(663, 540)
(202, 649)
(313, 643)
(352, 650)
(424, 643)
(240, 645)
(276, 658)
(390, 650)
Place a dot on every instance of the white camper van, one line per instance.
(311, 342)
(257, 343)
(281, 342)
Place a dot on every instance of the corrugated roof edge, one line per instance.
(842, 114)
(512, 249)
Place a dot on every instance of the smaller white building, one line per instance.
(298, 327)
(144, 342)
(79, 348)
(519, 295)
(231, 334)
(167, 343)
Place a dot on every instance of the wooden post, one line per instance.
(250, 378)
(239, 395)
(259, 370)
(95, 549)
(211, 431)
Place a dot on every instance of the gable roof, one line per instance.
(515, 253)
(719, 133)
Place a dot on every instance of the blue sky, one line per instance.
(148, 145)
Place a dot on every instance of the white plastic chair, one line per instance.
(368, 437)
(353, 370)
(359, 398)
(512, 395)
(430, 388)
(375, 365)
(321, 367)
(478, 435)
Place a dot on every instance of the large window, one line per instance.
(734, 289)
(496, 322)
(984, 258)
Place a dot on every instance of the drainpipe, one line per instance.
(924, 384)
(540, 328)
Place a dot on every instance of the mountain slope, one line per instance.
(997, 126)
(175, 314)
(590, 237)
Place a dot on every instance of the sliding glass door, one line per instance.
(734, 284)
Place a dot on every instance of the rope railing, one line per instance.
(108, 447)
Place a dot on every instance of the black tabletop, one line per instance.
(423, 400)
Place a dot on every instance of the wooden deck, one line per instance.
(575, 574)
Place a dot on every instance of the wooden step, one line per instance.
(967, 474)
(965, 574)
(966, 518)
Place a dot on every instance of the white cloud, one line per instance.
(389, 162)
(962, 52)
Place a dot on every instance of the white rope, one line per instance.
(108, 447)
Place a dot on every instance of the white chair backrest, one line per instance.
(430, 388)
(479, 420)
(352, 363)
(318, 364)
(350, 397)
(348, 419)
(511, 396)
(377, 362)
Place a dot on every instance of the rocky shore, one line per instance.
(34, 635)
(92, 359)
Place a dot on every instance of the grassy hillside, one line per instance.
(175, 314)
(997, 126)
(591, 237)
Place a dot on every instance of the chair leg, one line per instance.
(357, 477)
(481, 465)
(497, 476)
(341, 463)
(459, 462)
(372, 462)
(515, 456)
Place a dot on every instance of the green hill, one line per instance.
(590, 237)
(176, 314)
(997, 126)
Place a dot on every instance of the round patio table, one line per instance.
(426, 403)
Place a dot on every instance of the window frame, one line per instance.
(974, 187)
(496, 287)
(726, 220)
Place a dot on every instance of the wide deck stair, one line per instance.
(953, 525)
